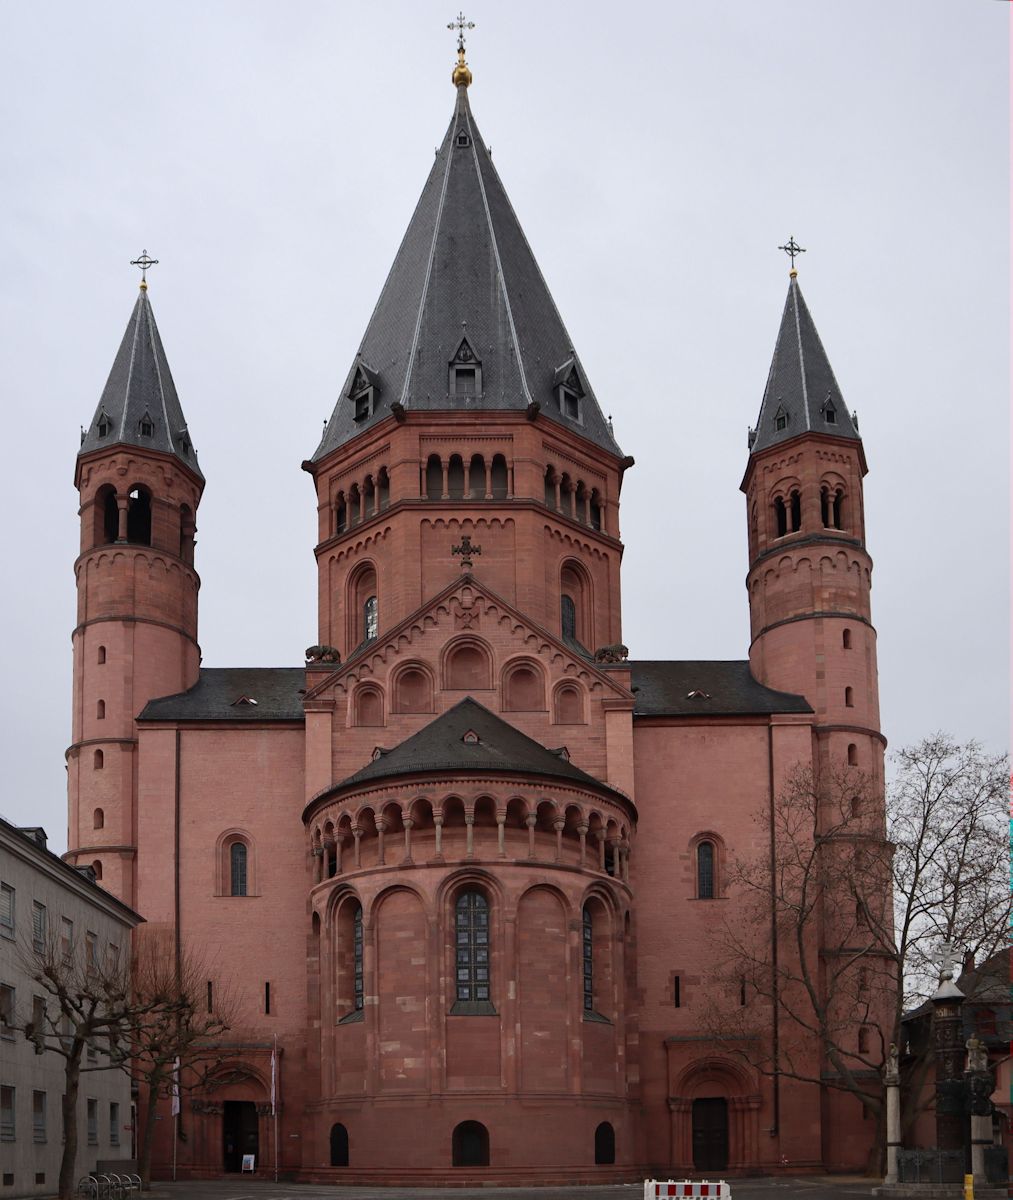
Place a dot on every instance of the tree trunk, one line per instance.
(68, 1104)
(148, 1132)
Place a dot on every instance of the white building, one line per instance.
(42, 897)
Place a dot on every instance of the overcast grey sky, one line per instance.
(270, 155)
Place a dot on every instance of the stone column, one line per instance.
(408, 823)
(600, 835)
(438, 822)
(357, 834)
(891, 1077)
(557, 825)
(469, 825)
(582, 829)
(488, 480)
(446, 478)
(467, 479)
(122, 504)
(531, 821)
(318, 858)
(337, 853)
(501, 834)
(949, 1054)
(381, 829)
(362, 502)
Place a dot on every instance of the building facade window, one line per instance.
(8, 1129)
(370, 619)
(66, 938)
(114, 1123)
(357, 975)
(705, 881)
(7, 914)
(471, 913)
(7, 1000)
(237, 869)
(39, 1118)
(40, 927)
(568, 618)
(92, 1122)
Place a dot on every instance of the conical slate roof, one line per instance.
(802, 394)
(139, 405)
(464, 273)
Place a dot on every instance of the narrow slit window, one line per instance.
(587, 958)
(705, 871)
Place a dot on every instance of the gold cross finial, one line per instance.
(144, 262)
(461, 76)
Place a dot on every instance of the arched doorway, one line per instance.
(339, 1146)
(710, 1133)
(240, 1133)
(604, 1144)
(470, 1145)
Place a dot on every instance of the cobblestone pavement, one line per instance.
(810, 1188)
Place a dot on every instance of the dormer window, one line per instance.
(470, 738)
(829, 412)
(104, 425)
(465, 372)
(569, 390)
(463, 140)
(363, 392)
(146, 427)
(184, 442)
(780, 419)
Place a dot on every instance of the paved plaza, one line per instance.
(821, 1188)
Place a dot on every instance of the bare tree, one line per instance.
(835, 930)
(174, 1043)
(84, 1015)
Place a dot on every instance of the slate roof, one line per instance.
(800, 383)
(500, 748)
(464, 259)
(663, 689)
(218, 696)
(140, 388)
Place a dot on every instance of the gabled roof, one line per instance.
(801, 383)
(442, 745)
(235, 694)
(688, 688)
(139, 392)
(465, 268)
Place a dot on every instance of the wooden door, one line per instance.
(710, 1133)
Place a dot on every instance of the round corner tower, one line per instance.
(136, 632)
(810, 573)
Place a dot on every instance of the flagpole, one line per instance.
(274, 1103)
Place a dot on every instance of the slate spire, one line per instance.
(464, 273)
(802, 395)
(139, 405)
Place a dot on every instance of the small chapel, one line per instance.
(466, 867)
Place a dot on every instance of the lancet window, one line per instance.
(472, 947)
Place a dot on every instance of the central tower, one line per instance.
(467, 411)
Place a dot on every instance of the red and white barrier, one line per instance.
(663, 1189)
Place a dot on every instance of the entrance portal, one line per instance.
(710, 1133)
(240, 1133)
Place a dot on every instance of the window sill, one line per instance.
(473, 1008)
(353, 1018)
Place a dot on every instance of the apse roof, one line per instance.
(139, 405)
(688, 688)
(802, 394)
(468, 737)
(464, 282)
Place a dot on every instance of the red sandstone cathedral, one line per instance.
(467, 867)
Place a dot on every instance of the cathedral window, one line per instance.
(98, 760)
(568, 618)
(413, 691)
(370, 618)
(357, 976)
(849, 697)
(101, 655)
(463, 140)
(829, 412)
(434, 478)
(837, 510)
(846, 639)
(796, 512)
(98, 819)
(780, 516)
(569, 707)
(237, 869)
(104, 425)
(187, 529)
(100, 710)
(523, 689)
(467, 668)
(780, 419)
(471, 948)
(455, 478)
(705, 875)
(852, 755)
(106, 522)
(368, 706)
(362, 392)
(139, 517)
(550, 488)
(499, 477)
(587, 959)
(146, 427)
